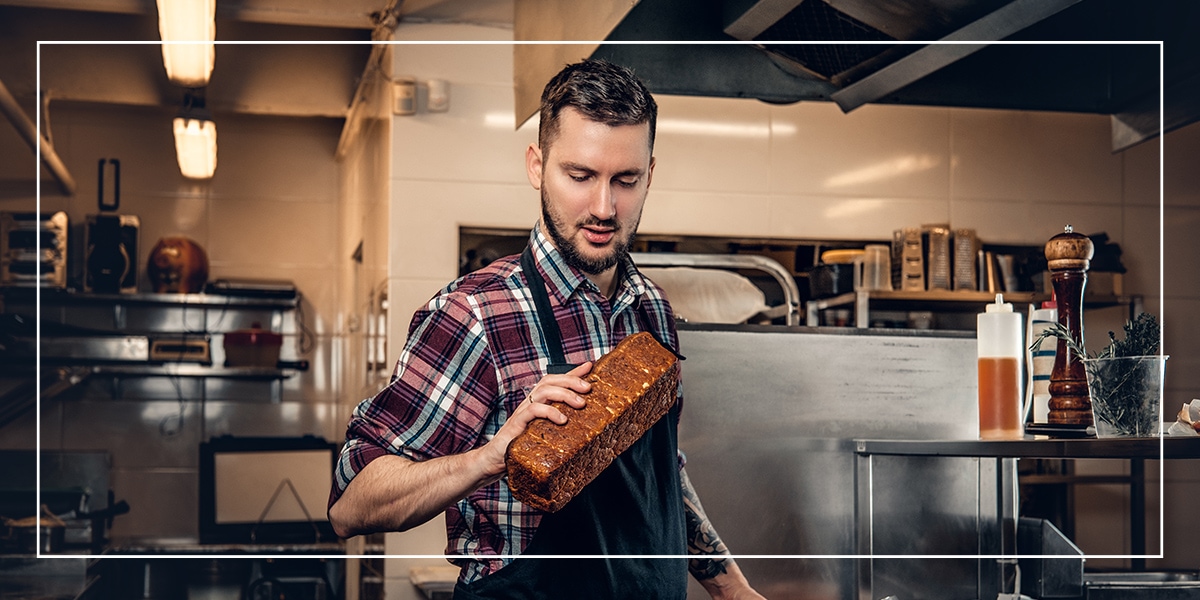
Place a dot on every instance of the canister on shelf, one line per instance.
(254, 347)
(1041, 360)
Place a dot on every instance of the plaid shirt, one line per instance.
(473, 353)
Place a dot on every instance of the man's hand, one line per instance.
(709, 561)
(565, 388)
(730, 585)
(393, 493)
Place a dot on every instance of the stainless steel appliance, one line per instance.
(111, 244)
(111, 254)
(33, 248)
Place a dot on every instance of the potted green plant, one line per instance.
(1124, 379)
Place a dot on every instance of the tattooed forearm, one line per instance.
(709, 552)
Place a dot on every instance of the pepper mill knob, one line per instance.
(1069, 250)
(1068, 256)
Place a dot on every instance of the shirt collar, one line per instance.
(565, 280)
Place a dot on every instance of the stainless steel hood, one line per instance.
(1052, 55)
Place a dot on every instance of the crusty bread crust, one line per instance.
(632, 388)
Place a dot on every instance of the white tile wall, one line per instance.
(898, 152)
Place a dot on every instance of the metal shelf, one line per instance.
(1135, 450)
(59, 296)
(1171, 448)
(192, 370)
(943, 300)
(113, 336)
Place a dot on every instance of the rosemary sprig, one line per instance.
(1118, 388)
(1141, 339)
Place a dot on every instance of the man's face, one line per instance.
(593, 181)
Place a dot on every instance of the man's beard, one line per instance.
(570, 251)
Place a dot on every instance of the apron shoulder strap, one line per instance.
(545, 314)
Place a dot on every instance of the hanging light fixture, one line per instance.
(188, 64)
(195, 139)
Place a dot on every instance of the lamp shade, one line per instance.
(194, 21)
(196, 147)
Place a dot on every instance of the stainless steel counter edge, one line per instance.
(1170, 448)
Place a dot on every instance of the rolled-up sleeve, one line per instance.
(438, 401)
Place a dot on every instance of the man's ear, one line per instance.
(650, 173)
(533, 165)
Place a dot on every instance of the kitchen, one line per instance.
(289, 201)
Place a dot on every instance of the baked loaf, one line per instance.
(632, 388)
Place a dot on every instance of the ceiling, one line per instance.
(876, 63)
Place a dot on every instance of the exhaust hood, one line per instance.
(1048, 55)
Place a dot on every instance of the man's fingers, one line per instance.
(565, 388)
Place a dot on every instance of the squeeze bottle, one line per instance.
(999, 338)
(1041, 361)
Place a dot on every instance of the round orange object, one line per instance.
(177, 265)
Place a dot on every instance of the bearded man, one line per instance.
(481, 363)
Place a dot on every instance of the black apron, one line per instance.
(634, 507)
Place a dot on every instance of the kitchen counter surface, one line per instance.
(1150, 448)
(184, 548)
(32, 578)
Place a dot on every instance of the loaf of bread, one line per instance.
(632, 388)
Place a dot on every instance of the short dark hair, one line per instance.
(601, 91)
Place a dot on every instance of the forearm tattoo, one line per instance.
(710, 556)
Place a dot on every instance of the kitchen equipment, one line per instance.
(912, 259)
(938, 259)
(874, 269)
(254, 347)
(181, 349)
(1068, 255)
(1000, 352)
(33, 249)
(965, 245)
(1041, 360)
(111, 244)
(825, 281)
(265, 489)
(177, 265)
(74, 488)
(111, 254)
(841, 256)
(49, 528)
(836, 275)
(252, 288)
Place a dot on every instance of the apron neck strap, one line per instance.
(545, 314)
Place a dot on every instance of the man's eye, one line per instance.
(580, 178)
(627, 182)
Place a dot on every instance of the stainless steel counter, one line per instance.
(769, 421)
(184, 548)
(1126, 448)
(31, 578)
(775, 422)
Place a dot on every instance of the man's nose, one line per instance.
(603, 205)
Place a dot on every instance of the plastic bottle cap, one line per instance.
(1052, 302)
(1000, 305)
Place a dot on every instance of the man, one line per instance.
(482, 362)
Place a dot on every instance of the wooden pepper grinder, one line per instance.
(1068, 255)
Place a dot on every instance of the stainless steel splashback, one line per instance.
(768, 425)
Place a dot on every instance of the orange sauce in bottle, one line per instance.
(999, 398)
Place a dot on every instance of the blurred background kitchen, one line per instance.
(352, 181)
